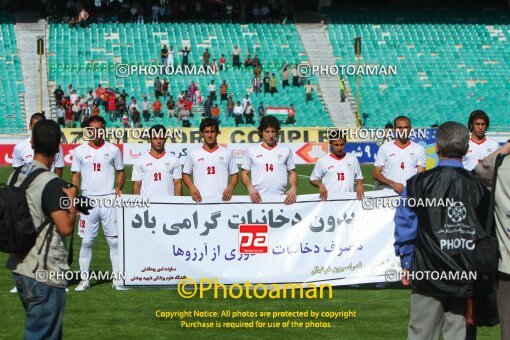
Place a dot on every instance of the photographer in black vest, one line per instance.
(436, 243)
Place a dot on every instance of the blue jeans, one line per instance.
(44, 308)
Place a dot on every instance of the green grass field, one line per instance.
(102, 313)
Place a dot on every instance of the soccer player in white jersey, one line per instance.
(270, 164)
(479, 145)
(337, 171)
(211, 165)
(96, 162)
(398, 160)
(157, 173)
(23, 152)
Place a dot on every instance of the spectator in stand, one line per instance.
(222, 63)
(272, 85)
(214, 66)
(257, 70)
(192, 88)
(170, 58)
(215, 112)
(342, 89)
(256, 61)
(73, 97)
(156, 109)
(83, 18)
(164, 55)
(58, 94)
(255, 83)
(133, 104)
(69, 90)
(164, 87)
(285, 76)
(99, 95)
(291, 116)
(230, 107)
(170, 105)
(125, 119)
(155, 12)
(198, 97)
(112, 109)
(207, 107)
(188, 105)
(249, 112)
(135, 118)
(223, 92)
(236, 55)
(295, 78)
(76, 111)
(121, 106)
(245, 101)
(157, 87)
(266, 82)
(145, 109)
(212, 90)
(106, 96)
(248, 62)
(133, 11)
(262, 111)
(95, 110)
(185, 55)
(205, 57)
(90, 101)
(61, 112)
(308, 92)
(238, 114)
(69, 117)
(184, 116)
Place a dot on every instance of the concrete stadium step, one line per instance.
(316, 42)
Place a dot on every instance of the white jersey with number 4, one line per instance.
(269, 167)
(97, 166)
(337, 173)
(157, 174)
(400, 162)
(23, 153)
(210, 169)
(478, 151)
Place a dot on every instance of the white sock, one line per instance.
(86, 255)
(113, 242)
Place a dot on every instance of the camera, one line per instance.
(82, 203)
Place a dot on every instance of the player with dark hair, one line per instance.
(271, 165)
(23, 152)
(96, 163)
(337, 171)
(211, 165)
(398, 160)
(157, 173)
(479, 145)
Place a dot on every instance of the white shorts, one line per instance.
(89, 224)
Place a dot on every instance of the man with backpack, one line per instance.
(38, 263)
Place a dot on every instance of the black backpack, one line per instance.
(17, 230)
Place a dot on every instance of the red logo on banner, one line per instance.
(253, 238)
(311, 152)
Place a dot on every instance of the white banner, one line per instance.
(336, 242)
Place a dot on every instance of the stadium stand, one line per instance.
(448, 62)
(11, 79)
(87, 56)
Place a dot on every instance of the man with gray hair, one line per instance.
(440, 240)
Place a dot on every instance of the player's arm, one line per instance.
(292, 192)
(360, 191)
(379, 177)
(75, 179)
(121, 179)
(59, 162)
(17, 159)
(252, 191)
(315, 180)
(227, 194)
(178, 186)
(137, 186)
(59, 172)
(195, 193)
